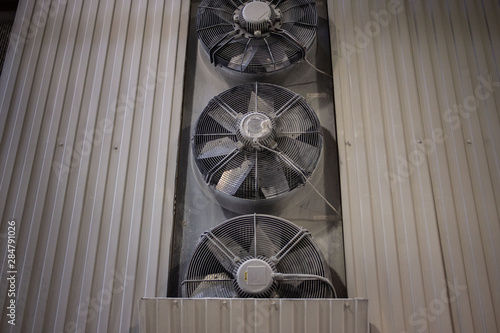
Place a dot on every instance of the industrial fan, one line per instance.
(257, 141)
(257, 256)
(256, 36)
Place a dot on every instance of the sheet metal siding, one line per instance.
(421, 213)
(171, 315)
(89, 143)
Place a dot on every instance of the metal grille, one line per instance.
(274, 42)
(288, 249)
(276, 159)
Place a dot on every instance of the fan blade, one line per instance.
(214, 285)
(263, 106)
(241, 61)
(290, 289)
(281, 59)
(231, 180)
(298, 14)
(294, 283)
(297, 254)
(217, 147)
(295, 6)
(233, 246)
(223, 118)
(210, 289)
(226, 250)
(291, 41)
(272, 180)
(299, 152)
(225, 15)
(252, 107)
(294, 120)
(322, 283)
(262, 244)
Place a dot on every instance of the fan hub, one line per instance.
(256, 12)
(256, 17)
(255, 276)
(256, 126)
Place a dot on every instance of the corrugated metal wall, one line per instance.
(417, 96)
(253, 315)
(89, 144)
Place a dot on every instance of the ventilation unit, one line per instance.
(257, 141)
(256, 36)
(257, 256)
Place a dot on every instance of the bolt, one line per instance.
(257, 33)
(419, 141)
(347, 306)
(347, 143)
(469, 142)
(115, 147)
(236, 17)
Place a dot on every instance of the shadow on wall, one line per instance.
(7, 16)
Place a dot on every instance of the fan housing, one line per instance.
(257, 141)
(257, 256)
(256, 36)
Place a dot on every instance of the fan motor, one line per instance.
(255, 130)
(255, 277)
(257, 17)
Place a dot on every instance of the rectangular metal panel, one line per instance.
(181, 315)
(198, 208)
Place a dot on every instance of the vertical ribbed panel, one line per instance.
(417, 97)
(176, 315)
(87, 159)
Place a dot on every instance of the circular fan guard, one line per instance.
(272, 247)
(257, 141)
(256, 36)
